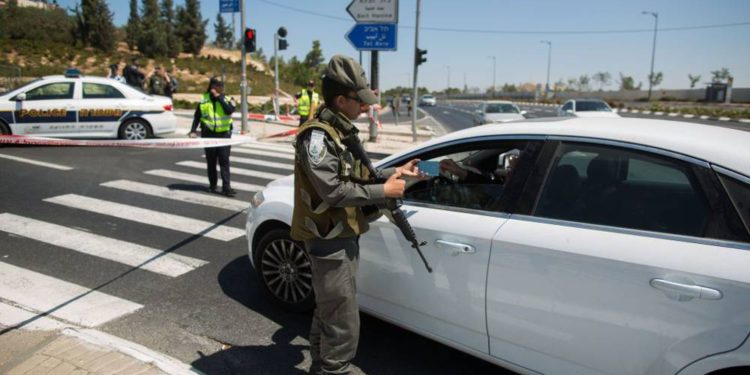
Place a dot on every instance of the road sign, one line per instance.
(229, 6)
(374, 11)
(373, 37)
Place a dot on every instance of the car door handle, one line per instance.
(691, 291)
(461, 247)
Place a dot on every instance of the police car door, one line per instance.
(47, 109)
(101, 109)
(458, 221)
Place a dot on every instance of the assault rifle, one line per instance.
(392, 206)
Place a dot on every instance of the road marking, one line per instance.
(200, 179)
(150, 217)
(11, 316)
(279, 155)
(70, 302)
(179, 195)
(261, 163)
(237, 171)
(131, 254)
(280, 147)
(36, 162)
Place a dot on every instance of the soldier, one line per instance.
(158, 82)
(330, 191)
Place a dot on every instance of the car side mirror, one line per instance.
(20, 97)
(523, 113)
(478, 111)
(569, 111)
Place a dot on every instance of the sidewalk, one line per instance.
(74, 351)
(391, 138)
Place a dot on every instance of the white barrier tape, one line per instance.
(142, 143)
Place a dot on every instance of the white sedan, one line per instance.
(586, 108)
(75, 106)
(497, 111)
(612, 246)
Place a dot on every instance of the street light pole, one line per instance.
(414, 81)
(243, 67)
(276, 107)
(653, 50)
(549, 62)
(494, 70)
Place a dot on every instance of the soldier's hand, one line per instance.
(394, 186)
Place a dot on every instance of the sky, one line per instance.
(460, 37)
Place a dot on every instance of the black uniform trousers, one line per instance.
(220, 154)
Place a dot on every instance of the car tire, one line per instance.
(134, 130)
(4, 129)
(284, 271)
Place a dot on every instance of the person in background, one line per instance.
(214, 115)
(133, 75)
(307, 102)
(114, 73)
(158, 82)
(172, 82)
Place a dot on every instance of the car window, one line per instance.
(591, 106)
(739, 193)
(501, 108)
(477, 178)
(100, 91)
(618, 187)
(567, 106)
(60, 90)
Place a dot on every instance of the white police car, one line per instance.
(76, 106)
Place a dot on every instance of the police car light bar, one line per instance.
(72, 73)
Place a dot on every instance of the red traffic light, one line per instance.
(249, 33)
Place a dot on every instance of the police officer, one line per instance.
(330, 190)
(307, 102)
(214, 114)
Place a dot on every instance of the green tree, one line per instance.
(56, 26)
(603, 78)
(509, 87)
(626, 82)
(314, 58)
(224, 34)
(721, 76)
(152, 41)
(656, 78)
(94, 25)
(191, 27)
(174, 44)
(693, 80)
(260, 56)
(584, 83)
(133, 27)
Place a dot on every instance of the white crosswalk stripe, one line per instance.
(64, 300)
(11, 315)
(131, 254)
(261, 163)
(272, 154)
(179, 195)
(37, 162)
(150, 217)
(235, 170)
(201, 179)
(279, 147)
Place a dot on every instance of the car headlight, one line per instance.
(257, 199)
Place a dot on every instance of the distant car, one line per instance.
(497, 111)
(612, 246)
(427, 100)
(77, 106)
(586, 108)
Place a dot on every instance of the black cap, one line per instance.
(216, 81)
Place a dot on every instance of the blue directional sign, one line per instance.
(373, 36)
(229, 6)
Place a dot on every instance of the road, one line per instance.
(129, 242)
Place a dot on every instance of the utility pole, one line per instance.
(549, 62)
(374, 86)
(276, 108)
(416, 65)
(243, 82)
(494, 70)
(653, 50)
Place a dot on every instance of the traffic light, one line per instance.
(419, 56)
(249, 40)
(282, 42)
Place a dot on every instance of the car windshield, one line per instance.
(20, 88)
(592, 105)
(501, 108)
(427, 97)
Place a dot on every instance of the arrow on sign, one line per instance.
(373, 37)
(364, 11)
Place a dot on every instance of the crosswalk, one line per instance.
(168, 195)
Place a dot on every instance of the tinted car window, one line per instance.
(60, 90)
(739, 193)
(591, 105)
(100, 91)
(501, 108)
(618, 187)
(567, 106)
(488, 171)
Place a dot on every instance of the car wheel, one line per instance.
(284, 271)
(134, 129)
(4, 129)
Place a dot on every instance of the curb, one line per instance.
(162, 361)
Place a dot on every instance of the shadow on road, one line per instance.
(383, 348)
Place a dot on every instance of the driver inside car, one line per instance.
(470, 175)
